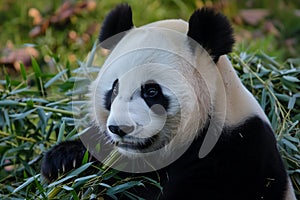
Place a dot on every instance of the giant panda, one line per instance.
(168, 92)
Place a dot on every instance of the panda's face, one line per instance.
(148, 95)
(137, 115)
(138, 103)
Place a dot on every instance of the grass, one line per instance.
(36, 105)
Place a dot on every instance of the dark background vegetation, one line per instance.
(42, 43)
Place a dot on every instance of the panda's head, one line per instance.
(151, 94)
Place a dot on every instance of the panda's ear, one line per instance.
(212, 30)
(116, 22)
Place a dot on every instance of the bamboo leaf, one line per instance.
(38, 76)
(80, 169)
(22, 115)
(289, 144)
(292, 102)
(55, 78)
(26, 183)
(123, 187)
(85, 178)
(23, 72)
(291, 79)
(8, 103)
(263, 101)
(61, 132)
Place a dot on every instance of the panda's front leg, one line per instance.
(62, 158)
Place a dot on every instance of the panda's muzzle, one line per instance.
(121, 130)
(128, 141)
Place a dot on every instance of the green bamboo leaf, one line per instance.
(23, 72)
(52, 194)
(7, 119)
(292, 139)
(293, 125)
(289, 85)
(80, 169)
(42, 116)
(38, 76)
(40, 188)
(55, 78)
(263, 101)
(85, 178)
(85, 157)
(68, 67)
(65, 187)
(282, 97)
(8, 103)
(8, 82)
(22, 90)
(296, 117)
(36, 67)
(26, 183)
(289, 144)
(60, 181)
(291, 79)
(292, 102)
(22, 115)
(61, 132)
(74, 194)
(123, 187)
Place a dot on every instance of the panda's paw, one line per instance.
(62, 158)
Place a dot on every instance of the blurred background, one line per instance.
(69, 28)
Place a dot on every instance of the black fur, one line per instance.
(154, 99)
(117, 21)
(107, 99)
(213, 31)
(244, 165)
(109, 96)
(61, 155)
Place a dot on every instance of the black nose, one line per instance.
(121, 130)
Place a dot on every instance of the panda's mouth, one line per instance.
(137, 144)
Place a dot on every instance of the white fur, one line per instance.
(240, 103)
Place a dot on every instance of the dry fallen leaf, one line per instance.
(14, 57)
(62, 15)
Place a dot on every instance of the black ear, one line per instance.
(117, 21)
(212, 30)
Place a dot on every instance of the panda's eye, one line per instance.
(150, 93)
(150, 90)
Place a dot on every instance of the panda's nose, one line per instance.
(121, 130)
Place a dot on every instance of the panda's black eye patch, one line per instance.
(151, 91)
(115, 90)
(111, 94)
(152, 94)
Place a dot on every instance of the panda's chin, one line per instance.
(137, 145)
